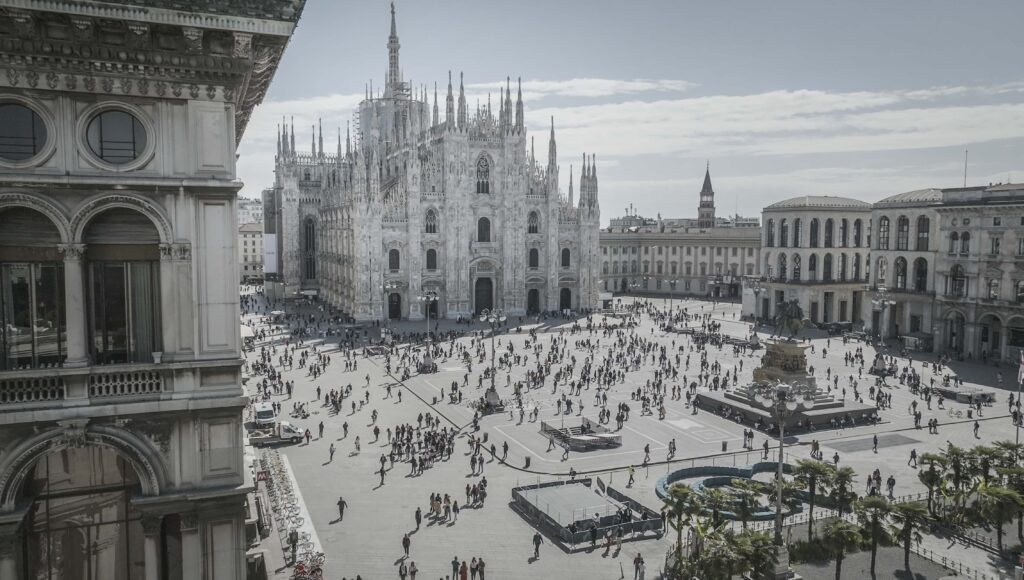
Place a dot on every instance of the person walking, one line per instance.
(632, 474)
(537, 541)
(913, 458)
(406, 542)
(464, 571)
(321, 436)
(342, 504)
(403, 571)
(480, 568)
(455, 567)
(330, 451)
(412, 563)
(419, 517)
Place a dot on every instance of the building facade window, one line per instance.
(923, 227)
(431, 222)
(965, 243)
(533, 260)
(22, 132)
(116, 137)
(769, 234)
(858, 231)
(783, 233)
(533, 224)
(394, 260)
(902, 233)
(814, 232)
(957, 282)
(883, 233)
(483, 230)
(900, 266)
(829, 232)
(432, 259)
(483, 175)
(32, 322)
(954, 242)
(921, 275)
(798, 233)
(124, 311)
(995, 245)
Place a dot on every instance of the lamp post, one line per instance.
(782, 401)
(427, 299)
(671, 296)
(494, 317)
(755, 286)
(388, 287)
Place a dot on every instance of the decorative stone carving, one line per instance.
(211, 92)
(13, 76)
(193, 91)
(189, 521)
(70, 82)
(72, 435)
(161, 88)
(183, 251)
(52, 80)
(229, 94)
(139, 37)
(90, 83)
(176, 89)
(159, 432)
(151, 524)
(72, 252)
(243, 45)
(166, 251)
(143, 86)
(193, 39)
(108, 84)
(126, 85)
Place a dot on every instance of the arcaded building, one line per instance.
(121, 445)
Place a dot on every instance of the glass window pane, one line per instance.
(49, 324)
(110, 324)
(17, 316)
(116, 137)
(22, 132)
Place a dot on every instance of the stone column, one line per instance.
(151, 530)
(74, 304)
(191, 547)
(10, 542)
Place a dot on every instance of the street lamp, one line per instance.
(755, 286)
(388, 287)
(671, 296)
(494, 317)
(428, 299)
(782, 401)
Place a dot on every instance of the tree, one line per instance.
(745, 493)
(809, 474)
(757, 551)
(872, 512)
(997, 505)
(1013, 478)
(839, 537)
(907, 519)
(931, 477)
(841, 488)
(681, 506)
(716, 500)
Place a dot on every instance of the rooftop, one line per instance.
(920, 196)
(820, 202)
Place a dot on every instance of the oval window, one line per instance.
(22, 132)
(116, 137)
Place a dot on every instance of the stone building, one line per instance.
(250, 211)
(250, 251)
(120, 398)
(707, 256)
(419, 201)
(815, 250)
(949, 264)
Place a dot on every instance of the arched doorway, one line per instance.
(483, 295)
(433, 309)
(955, 332)
(394, 306)
(82, 523)
(624, 286)
(990, 336)
(565, 299)
(533, 301)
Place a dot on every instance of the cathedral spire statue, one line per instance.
(519, 107)
(570, 186)
(552, 148)
(394, 72)
(462, 104)
(312, 141)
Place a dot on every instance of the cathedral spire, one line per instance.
(570, 186)
(434, 119)
(348, 141)
(462, 103)
(338, 160)
(508, 103)
(449, 112)
(533, 158)
(394, 72)
(321, 136)
(312, 141)
(279, 140)
(291, 146)
(519, 106)
(552, 148)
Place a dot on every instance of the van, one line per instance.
(265, 415)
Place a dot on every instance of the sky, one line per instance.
(863, 98)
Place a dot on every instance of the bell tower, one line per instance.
(706, 210)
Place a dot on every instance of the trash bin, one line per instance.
(485, 437)
(725, 446)
(527, 466)
(435, 400)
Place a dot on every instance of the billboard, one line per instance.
(269, 253)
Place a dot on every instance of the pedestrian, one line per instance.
(419, 517)
(632, 473)
(412, 563)
(874, 443)
(403, 570)
(976, 427)
(406, 542)
(357, 444)
(342, 504)
(472, 569)
(455, 567)
(913, 458)
(321, 436)
(293, 541)
(537, 541)
(480, 568)
(464, 571)
(331, 452)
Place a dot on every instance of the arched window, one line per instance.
(842, 266)
(812, 267)
(830, 226)
(782, 267)
(965, 243)
(309, 248)
(483, 230)
(858, 229)
(881, 272)
(604, 268)
(954, 242)
(901, 272)
(533, 223)
(844, 232)
(783, 233)
(798, 232)
(826, 272)
(923, 225)
(957, 285)
(856, 266)
(431, 259)
(394, 260)
(769, 240)
(814, 232)
(796, 267)
(483, 175)
(883, 233)
(921, 275)
(431, 222)
(902, 232)
(534, 258)
(565, 257)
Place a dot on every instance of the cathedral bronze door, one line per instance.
(394, 306)
(484, 295)
(565, 299)
(533, 301)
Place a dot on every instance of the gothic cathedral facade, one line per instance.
(415, 204)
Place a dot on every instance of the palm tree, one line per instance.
(744, 496)
(997, 505)
(871, 513)
(757, 550)
(841, 488)
(681, 505)
(809, 474)
(1013, 478)
(931, 477)
(983, 459)
(959, 464)
(716, 500)
(839, 537)
(907, 519)
(1009, 452)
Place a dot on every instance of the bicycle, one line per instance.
(956, 413)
